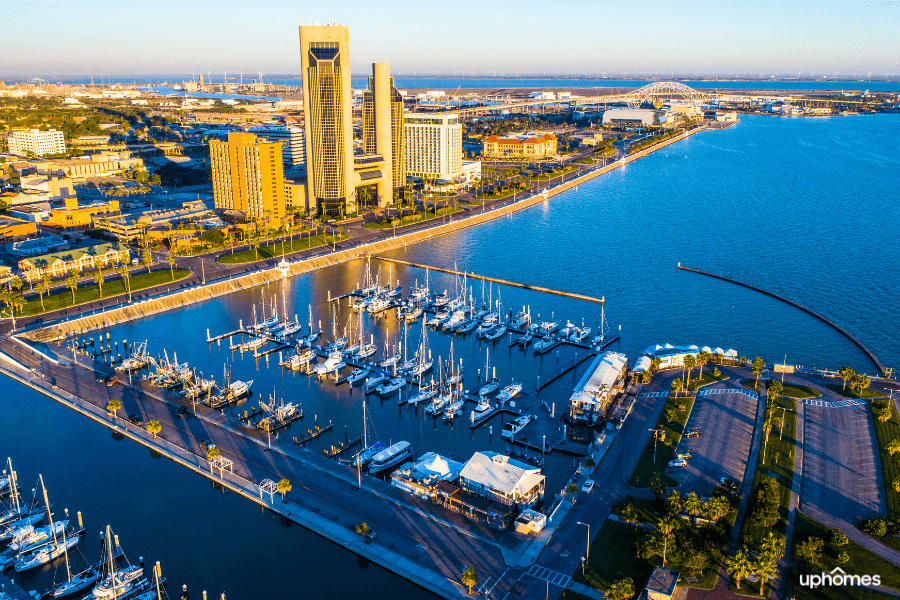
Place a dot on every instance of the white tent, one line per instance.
(731, 352)
(693, 347)
(669, 346)
(718, 351)
(643, 363)
(706, 349)
(652, 349)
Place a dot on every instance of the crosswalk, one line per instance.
(714, 391)
(839, 404)
(545, 574)
(653, 394)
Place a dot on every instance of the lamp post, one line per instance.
(587, 553)
(656, 433)
(783, 367)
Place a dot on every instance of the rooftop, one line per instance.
(663, 580)
(499, 472)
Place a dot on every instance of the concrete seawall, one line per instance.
(144, 308)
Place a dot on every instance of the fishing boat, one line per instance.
(365, 456)
(509, 392)
(238, 389)
(357, 374)
(391, 386)
(390, 457)
(483, 409)
(333, 363)
(138, 360)
(511, 428)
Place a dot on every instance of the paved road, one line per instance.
(726, 421)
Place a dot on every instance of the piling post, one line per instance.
(553, 410)
(207, 334)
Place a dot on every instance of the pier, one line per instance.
(12, 590)
(312, 434)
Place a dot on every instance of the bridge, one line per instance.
(660, 90)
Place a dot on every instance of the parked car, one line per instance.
(684, 455)
(136, 420)
(692, 433)
(678, 462)
(588, 486)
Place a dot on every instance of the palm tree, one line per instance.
(72, 283)
(99, 278)
(739, 565)
(674, 503)
(758, 365)
(693, 505)
(212, 453)
(572, 489)
(170, 258)
(147, 259)
(861, 382)
(893, 446)
(689, 363)
(765, 569)
(666, 527)
(847, 374)
(703, 358)
(362, 528)
(125, 274)
(630, 514)
(774, 388)
(42, 289)
(470, 579)
(284, 486)
(154, 427)
(654, 364)
(112, 406)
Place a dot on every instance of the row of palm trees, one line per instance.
(764, 565)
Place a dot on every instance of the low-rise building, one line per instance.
(630, 117)
(12, 229)
(57, 188)
(502, 479)
(477, 508)
(129, 227)
(596, 389)
(36, 246)
(661, 585)
(422, 476)
(104, 164)
(588, 138)
(520, 146)
(72, 215)
(59, 264)
(34, 141)
(35, 213)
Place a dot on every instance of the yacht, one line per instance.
(456, 319)
(239, 389)
(441, 299)
(509, 392)
(391, 386)
(378, 305)
(511, 428)
(467, 326)
(10, 528)
(455, 408)
(548, 327)
(394, 292)
(357, 375)
(76, 583)
(407, 365)
(521, 320)
(333, 363)
(545, 344)
(439, 318)
(45, 553)
(337, 344)
(30, 537)
(300, 358)
(119, 583)
(580, 333)
(496, 332)
(390, 457)
(437, 405)
(483, 409)
(569, 329)
(374, 382)
(390, 361)
(421, 368)
(413, 313)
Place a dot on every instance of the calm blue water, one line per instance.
(519, 82)
(805, 207)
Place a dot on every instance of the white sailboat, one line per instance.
(46, 552)
(491, 384)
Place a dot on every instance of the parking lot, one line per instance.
(840, 475)
(725, 418)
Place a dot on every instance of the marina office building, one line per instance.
(338, 181)
(248, 176)
(595, 392)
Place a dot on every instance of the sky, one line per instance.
(558, 37)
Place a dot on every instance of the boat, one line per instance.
(390, 361)
(338, 344)
(391, 386)
(441, 299)
(496, 332)
(333, 363)
(378, 305)
(238, 389)
(138, 360)
(467, 326)
(76, 583)
(390, 457)
(579, 334)
(426, 392)
(366, 350)
(548, 327)
(457, 318)
(394, 292)
(253, 343)
(490, 385)
(50, 550)
(437, 405)
(357, 375)
(483, 409)
(455, 408)
(30, 537)
(509, 392)
(511, 428)
(421, 367)
(26, 519)
(526, 338)
(413, 313)
(364, 457)
(545, 344)
(299, 358)
(376, 381)
(521, 320)
(438, 319)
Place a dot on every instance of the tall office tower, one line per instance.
(327, 108)
(383, 131)
(247, 175)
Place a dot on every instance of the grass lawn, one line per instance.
(558, 173)
(614, 556)
(751, 384)
(800, 392)
(706, 379)
(89, 293)
(646, 467)
(274, 249)
(890, 467)
(418, 217)
(496, 195)
(646, 510)
(779, 460)
(838, 388)
(862, 562)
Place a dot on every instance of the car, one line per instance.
(588, 486)
(684, 455)
(136, 420)
(692, 433)
(678, 462)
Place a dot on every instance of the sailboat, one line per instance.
(47, 552)
(125, 582)
(492, 384)
(77, 582)
(364, 456)
(424, 364)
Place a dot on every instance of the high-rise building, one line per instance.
(293, 146)
(247, 175)
(382, 124)
(37, 142)
(338, 181)
(433, 145)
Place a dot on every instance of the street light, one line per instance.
(783, 367)
(656, 433)
(587, 553)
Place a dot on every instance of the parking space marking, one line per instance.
(545, 574)
(839, 404)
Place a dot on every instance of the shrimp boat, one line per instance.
(509, 392)
(138, 360)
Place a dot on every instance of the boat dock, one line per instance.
(566, 368)
(312, 434)
(342, 447)
(12, 590)
(279, 424)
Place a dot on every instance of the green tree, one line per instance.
(674, 503)
(846, 374)
(658, 487)
(717, 373)
(765, 502)
(572, 489)
(696, 562)
(896, 483)
(765, 569)
(99, 278)
(623, 589)
(362, 528)
(213, 452)
(284, 486)
(154, 427)
(125, 274)
(703, 357)
(689, 363)
(671, 414)
(470, 579)
(72, 283)
(170, 258)
(861, 382)
(740, 564)
(147, 259)
(677, 385)
(809, 553)
(665, 528)
(589, 463)
(113, 406)
(883, 412)
(693, 505)
(843, 558)
(758, 365)
(893, 446)
(41, 288)
(630, 514)
(838, 538)
(716, 508)
(774, 388)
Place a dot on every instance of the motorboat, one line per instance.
(526, 338)
(457, 318)
(521, 320)
(391, 457)
(455, 408)
(441, 299)
(333, 363)
(299, 358)
(391, 386)
(413, 313)
(545, 344)
(357, 375)
(511, 428)
(253, 343)
(30, 537)
(45, 553)
(548, 327)
(483, 409)
(439, 318)
(509, 392)
(7, 531)
(366, 350)
(483, 329)
(580, 334)
(374, 382)
(378, 305)
(238, 389)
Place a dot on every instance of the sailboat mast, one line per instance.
(49, 514)
(13, 489)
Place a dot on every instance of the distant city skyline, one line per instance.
(573, 37)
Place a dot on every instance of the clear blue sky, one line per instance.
(56, 37)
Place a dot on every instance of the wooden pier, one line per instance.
(343, 447)
(312, 434)
(566, 368)
(12, 590)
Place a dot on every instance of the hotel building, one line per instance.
(248, 175)
(37, 142)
